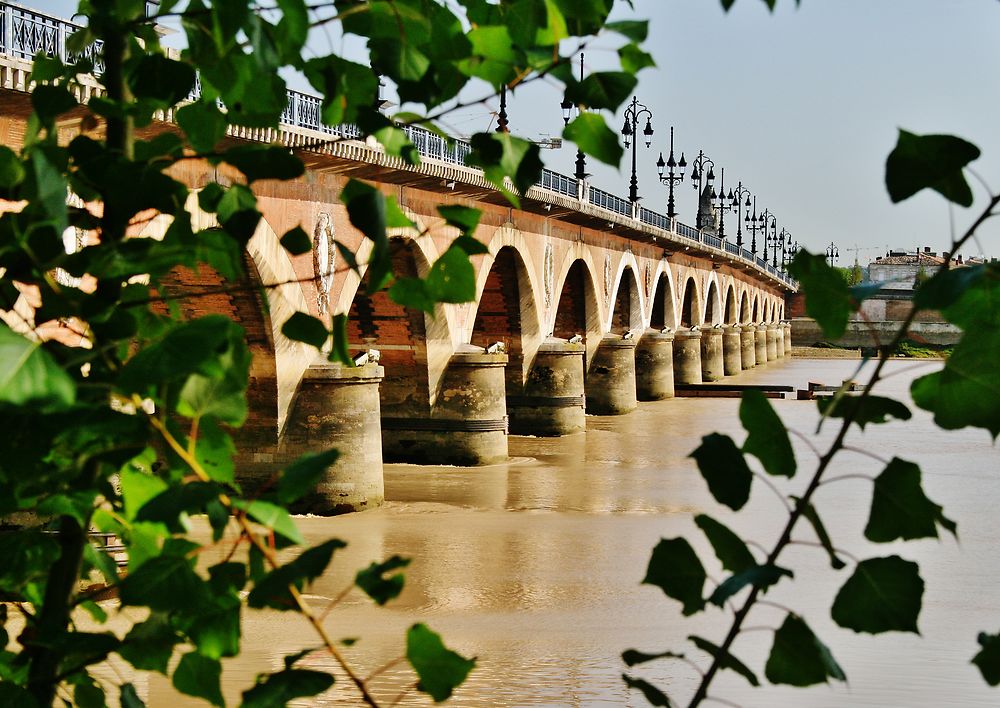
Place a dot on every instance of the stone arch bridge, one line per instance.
(584, 304)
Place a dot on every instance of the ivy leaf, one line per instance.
(161, 79)
(633, 59)
(463, 218)
(30, 376)
(593, 136)
(676, 569)
(634, 30)
(730, 549)
(301, 476)
(272, 589)
(900, 509)
(452, 278)
(302, 327)
(199, 676)
(811, 515)
(828, 300)
(882, 595)
(653, 695)
(725, 659)
(279, 688)
(767, 438)
(863, 409)
(203, 123)
(296, 241)
(440, 669)
(929, 161)
(988, 658)
(165, 583)
(149, 645)
(631, 657)
(273, 517)
(601, 89)
(799, 658)
(502, 156)
(265, 162)
(376, 582)
(762, 576)
(725, 470)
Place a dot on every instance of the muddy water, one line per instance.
(535, 565)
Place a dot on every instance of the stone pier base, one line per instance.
(654, 366)
(760, 345)
(687, 356)
(748, 346)
(552, 401)
(712, 363)
(611, 377)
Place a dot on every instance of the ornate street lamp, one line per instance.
(503, 125)
(770, 227)
(788, 248)
(753, 226)
(630, 132)
(671, 178)
(702, 174)
(736, 199)
(722, 205)
(832, 253)
(569, 111)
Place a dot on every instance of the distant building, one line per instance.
(899, 270)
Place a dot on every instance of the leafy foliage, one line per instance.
(799, 658)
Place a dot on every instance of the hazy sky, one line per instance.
(802, 105)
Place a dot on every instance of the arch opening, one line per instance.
(689, 309)
(576, 311)
(627, 313)
(730, 317)
(712, 305)
(745, 308)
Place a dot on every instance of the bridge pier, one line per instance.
(552, 401)
(337, 406)
(712, 366)
(748, 346)
(760, 344)
(787, 328)
(687, 356)
(732, 356)
(611, 378)
(654, 366)
(467, 425)
(779, 340)
(772, 342)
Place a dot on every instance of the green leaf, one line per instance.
(215, 451)
(376, 582)
(279, 688)
(632, 657)
(730, 549)
(129, 698)
(761, 576)
(988, 658)
(149, 645)
(199, 676)
(633, 59)
(296, 241)
(725, 470)
(929, 161)
(634, 30)
(302, 327)
(30, 376)
(828, 300)
(463, 218)
(883, 594)
(900, 509)
(452, 278)
(51, 101)
(601, 90)
(469, 246)
(215, 629)
(767, 437)
(675, 568)
(799, 658)
(725, 659)
(272, 589)
(301, 476)
(653, 695)
(339, 351)
(88, 694)
(593, 136)
(166, 584)
(161, 79)
(137, 489)
(11, 170)
(811, 515)
(440, 669)
(273, 517)
(412, 292)
(203, 123)
(502, 156)
(265, 162)
(863, 409)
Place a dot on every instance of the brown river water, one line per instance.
(534, 566)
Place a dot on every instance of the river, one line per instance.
(534, 566)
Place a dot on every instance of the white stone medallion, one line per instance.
(324, 260)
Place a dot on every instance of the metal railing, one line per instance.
(24, 33)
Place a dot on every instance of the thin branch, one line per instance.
(336, 601)
(817, 544)
(385, 667)
(402, 694)
(809, 443)
(842, 477)
(723, 701)
(866, 453)
(770, 485)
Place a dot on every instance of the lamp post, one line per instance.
(832, 253)
(770, 226)
(699, 178)
(737, 205)
(569, 111)
(503, 126)
(753, 226)
(671, 178)
(630, 132)
(723, 204)
(788, 248)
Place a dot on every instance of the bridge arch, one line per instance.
(745, 307)
(575, 309)
(730, 309)
(626, 303)
(691, 314)
(663, 311)
(713, 303)
(505, 309)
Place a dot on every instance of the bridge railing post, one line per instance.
(7, 37)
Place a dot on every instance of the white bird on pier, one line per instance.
(575, 339)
